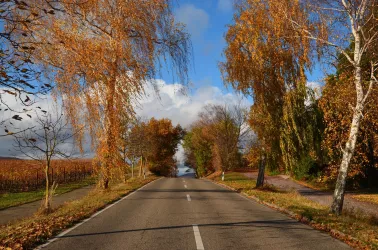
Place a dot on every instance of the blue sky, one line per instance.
(207, 21)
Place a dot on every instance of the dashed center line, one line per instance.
(185, 186)
(198, 238)
(188, 197)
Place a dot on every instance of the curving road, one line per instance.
(187, 213)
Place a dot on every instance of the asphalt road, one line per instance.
(187, 213)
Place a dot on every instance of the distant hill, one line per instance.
(9, 158)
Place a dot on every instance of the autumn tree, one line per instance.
(227, 127)
(133, 144)
(198, 144)
(43, 143)
(216, 140)
(100, 54)
(21, 82)
(314, 27)
(163, 139)
(331, 25)
(263, 60)
(337, 97)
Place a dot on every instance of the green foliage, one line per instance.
(301, 131)
(198, 149)
(212, 143)
(305, 167)
(15, 199)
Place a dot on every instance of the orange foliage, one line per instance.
(163, 139)
(336, 102)
(265, 60)
(26, 175)
(100, 55)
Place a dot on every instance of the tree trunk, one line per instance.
(338, 196)
(47, 206)
(132, 169)
(260, 177)
(140, 166)
(110, 138)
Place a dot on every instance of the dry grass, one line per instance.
(39, 228)
(371, 198)
(356, 229)
(28, 175)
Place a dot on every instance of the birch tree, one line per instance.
(310, 29)
(334, 24)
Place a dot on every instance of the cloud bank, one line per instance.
(172, 101)
(175, 102)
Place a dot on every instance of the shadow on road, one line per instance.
(281, 224)
(185, 191)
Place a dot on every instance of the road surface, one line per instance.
(187, 213)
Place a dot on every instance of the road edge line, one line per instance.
(334, 233)
(92, 216)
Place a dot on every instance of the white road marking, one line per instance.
(185, 186)
(81, 223)
(188, 197)
(198, 238)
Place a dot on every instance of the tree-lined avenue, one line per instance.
(159, 216)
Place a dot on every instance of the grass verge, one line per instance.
(371, 198)
(354, 228)
(14, 199)
(39, 228)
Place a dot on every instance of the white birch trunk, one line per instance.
(338, 197)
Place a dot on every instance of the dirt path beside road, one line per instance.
(12, 214)
(285, 183)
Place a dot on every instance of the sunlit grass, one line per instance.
(371, 198)
(351, 223)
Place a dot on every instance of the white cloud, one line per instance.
(195, 19)
(317, 87)
(225, 5)
(47, 104)
(314, 85)
(182, 108)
